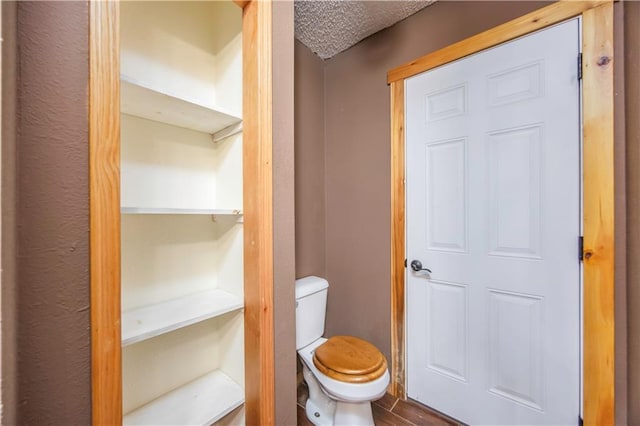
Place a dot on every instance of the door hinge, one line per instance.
(579, 66)
(580, 421)
(580, 248)
(405, 263)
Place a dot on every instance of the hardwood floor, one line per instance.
(388, 411)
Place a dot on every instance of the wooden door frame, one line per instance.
(104, 195)
(598, 198)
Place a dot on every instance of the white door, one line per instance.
(493, 209)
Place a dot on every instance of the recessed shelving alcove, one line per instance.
(181, 204)
(181, 207)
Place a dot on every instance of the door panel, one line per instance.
(515, 352)
(446, 206)
(493, 209)
(447, 329)
(514, 192)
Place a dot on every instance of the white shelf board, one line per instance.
(156, 210)
(201, 402)
(153, 320)
(142, 101)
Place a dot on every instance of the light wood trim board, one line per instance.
(598, 202)
(549, 15)
(598, 140)
(104, 187)
(258, 213)
(242, 3)
(397, 387)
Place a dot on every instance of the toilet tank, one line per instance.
(311, 307)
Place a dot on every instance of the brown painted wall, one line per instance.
(632, 101)
(358, 157)
(283, 214)
(309, 158)
(53, 347)
(8, 218)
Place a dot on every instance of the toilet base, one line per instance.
(316, 415)
(346, 414)
(324, 411)
(353, 413)
(320, 408)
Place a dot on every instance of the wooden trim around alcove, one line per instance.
(258, 213)
(104, 177)
(104, 215)
(598, 183)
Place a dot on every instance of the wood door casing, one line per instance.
(598, 140)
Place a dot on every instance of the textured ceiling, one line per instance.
(328, 27)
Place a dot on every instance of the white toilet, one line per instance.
(344, 373)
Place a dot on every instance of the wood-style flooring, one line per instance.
(387, 411)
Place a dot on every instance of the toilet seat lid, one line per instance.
(349, 359)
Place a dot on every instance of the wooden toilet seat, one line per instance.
(349, 359)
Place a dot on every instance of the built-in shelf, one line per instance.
(142, 101)
(153, 320)
(201, 402)
(181, 317)
(154, 210)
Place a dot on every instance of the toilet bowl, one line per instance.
(343, 373)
